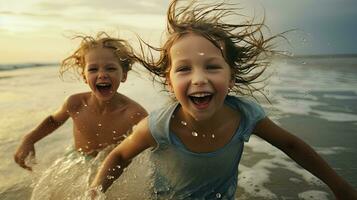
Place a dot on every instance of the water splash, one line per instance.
(70, 176)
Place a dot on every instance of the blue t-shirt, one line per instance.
(182, 174)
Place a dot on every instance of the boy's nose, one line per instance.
(102, 74)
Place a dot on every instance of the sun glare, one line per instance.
(17, 24)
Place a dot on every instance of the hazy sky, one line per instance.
(39, 30)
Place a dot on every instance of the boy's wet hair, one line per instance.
(242, 45)
(76, 62)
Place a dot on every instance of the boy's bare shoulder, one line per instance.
(133, 106)
(77, 100)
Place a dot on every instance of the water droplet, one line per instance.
(97, 134)
(213, 136)
(110, 177)
(88, 142)
(118, 166)
(100, 144)
(218, 195)
(114, 131)
(99, 125)
(184, 123)
(138, 113)
(194, 133)
(77, 113)
(87, 147)
(85, 105)
(201, 53)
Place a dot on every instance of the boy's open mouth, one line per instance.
(104, 88)
(201, 99)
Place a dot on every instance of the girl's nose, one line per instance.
(199, 78)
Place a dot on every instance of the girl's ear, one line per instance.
(231, 83)
(169, 85)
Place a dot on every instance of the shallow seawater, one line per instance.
(313, 98)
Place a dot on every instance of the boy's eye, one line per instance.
(93, 69)
(111, 68)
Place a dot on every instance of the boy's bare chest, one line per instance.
(101, 127)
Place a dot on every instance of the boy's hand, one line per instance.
(94, 193)
(25, 150)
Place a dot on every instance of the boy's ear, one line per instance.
(84, 79)
(124, 76)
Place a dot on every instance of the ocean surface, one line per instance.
(315, 98)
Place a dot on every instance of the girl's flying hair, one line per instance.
(242, 45)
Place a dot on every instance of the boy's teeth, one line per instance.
(103, 84)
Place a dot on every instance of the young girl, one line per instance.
(100, 117)
(197, 141)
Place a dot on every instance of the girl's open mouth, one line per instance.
(201, 100)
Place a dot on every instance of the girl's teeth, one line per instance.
(200, 95)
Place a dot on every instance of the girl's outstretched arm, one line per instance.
(120, 157)
(47, 126)
(305, 156)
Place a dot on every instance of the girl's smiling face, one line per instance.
(103, 72)
(199, 76)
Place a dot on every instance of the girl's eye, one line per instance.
(213, 66)
(183, 69)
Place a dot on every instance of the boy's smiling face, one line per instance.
(199, 76)
(103, 73)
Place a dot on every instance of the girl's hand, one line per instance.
(345, 191)
(24, 151)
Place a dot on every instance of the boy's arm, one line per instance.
(305, 156)
(47, 126)
(120, 157)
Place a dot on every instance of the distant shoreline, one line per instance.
(6, 67)
(14, 66)
(327, 56)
